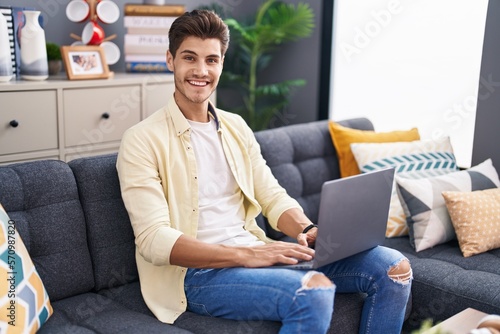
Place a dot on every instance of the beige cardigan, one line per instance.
(158, 178)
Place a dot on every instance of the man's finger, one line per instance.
(302, 239)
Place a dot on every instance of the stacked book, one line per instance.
(146, 39)
(15, 21)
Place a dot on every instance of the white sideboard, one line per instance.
(62, 119)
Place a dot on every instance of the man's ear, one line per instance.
(170, 61)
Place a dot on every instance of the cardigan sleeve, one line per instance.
(144, 198)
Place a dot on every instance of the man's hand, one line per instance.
(192, 253)
(292, 222)
(276, 253)
(309, 238)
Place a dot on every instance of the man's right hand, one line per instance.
(276, 253)
(191, 253)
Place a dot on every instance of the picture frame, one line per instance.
(83, 62)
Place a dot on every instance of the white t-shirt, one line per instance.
(221, 211)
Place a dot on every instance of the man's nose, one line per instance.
(201, 69)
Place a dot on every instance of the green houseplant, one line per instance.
(54, 58)
(251, 48)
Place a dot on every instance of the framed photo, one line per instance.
(85, 62)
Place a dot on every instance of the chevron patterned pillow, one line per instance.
(24, 302)
(414, 160)
(428, 219)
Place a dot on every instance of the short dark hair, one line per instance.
(198, 23)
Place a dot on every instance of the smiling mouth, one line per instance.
(198, 83)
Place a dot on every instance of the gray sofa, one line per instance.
(73, 222)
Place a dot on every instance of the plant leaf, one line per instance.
(279, 89)
(286, 23)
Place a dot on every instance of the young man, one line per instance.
(193, 181)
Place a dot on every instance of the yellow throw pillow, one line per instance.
(343, 137)
(475, 217)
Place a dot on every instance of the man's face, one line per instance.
(197, 67)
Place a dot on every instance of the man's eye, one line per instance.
(213, 61)
(188, 58)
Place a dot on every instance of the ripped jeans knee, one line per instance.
(314, 279)
(401, 272)
(312, 306)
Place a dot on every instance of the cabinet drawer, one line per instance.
(28, 121)
(100, 115)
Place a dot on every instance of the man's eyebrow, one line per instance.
(188, 51)
(195, 54)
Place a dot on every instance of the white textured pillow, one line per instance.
(425, 208)
(415, 159)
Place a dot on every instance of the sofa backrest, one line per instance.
(42, 199)
(302, 157)
(109, 231)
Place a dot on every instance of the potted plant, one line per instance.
(250, 52)
(54, 58)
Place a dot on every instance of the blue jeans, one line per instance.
(279, 294)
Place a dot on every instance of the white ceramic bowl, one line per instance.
(111, 51)
(77, 10)
(107, 11)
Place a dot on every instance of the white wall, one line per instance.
(410, 63)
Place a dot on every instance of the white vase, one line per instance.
(5, 56)
(34, 65)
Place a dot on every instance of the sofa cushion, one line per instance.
(345, 319)
(347, 312)
(425, 209)
(110, 234)
(42, 198)
(343, 137)
(414, 160)
(446, 283)
(302, 158)
(201, 324)
(130, 296)
(23, 299)
(95, 313)
(476, 219)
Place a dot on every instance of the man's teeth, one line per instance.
(198, 83)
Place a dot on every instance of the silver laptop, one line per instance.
(353, 215)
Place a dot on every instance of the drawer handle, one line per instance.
(105, 115)
(14, 123)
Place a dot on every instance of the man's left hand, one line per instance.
(309, 238)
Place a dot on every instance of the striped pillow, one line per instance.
(24, 302)
(413, 160)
